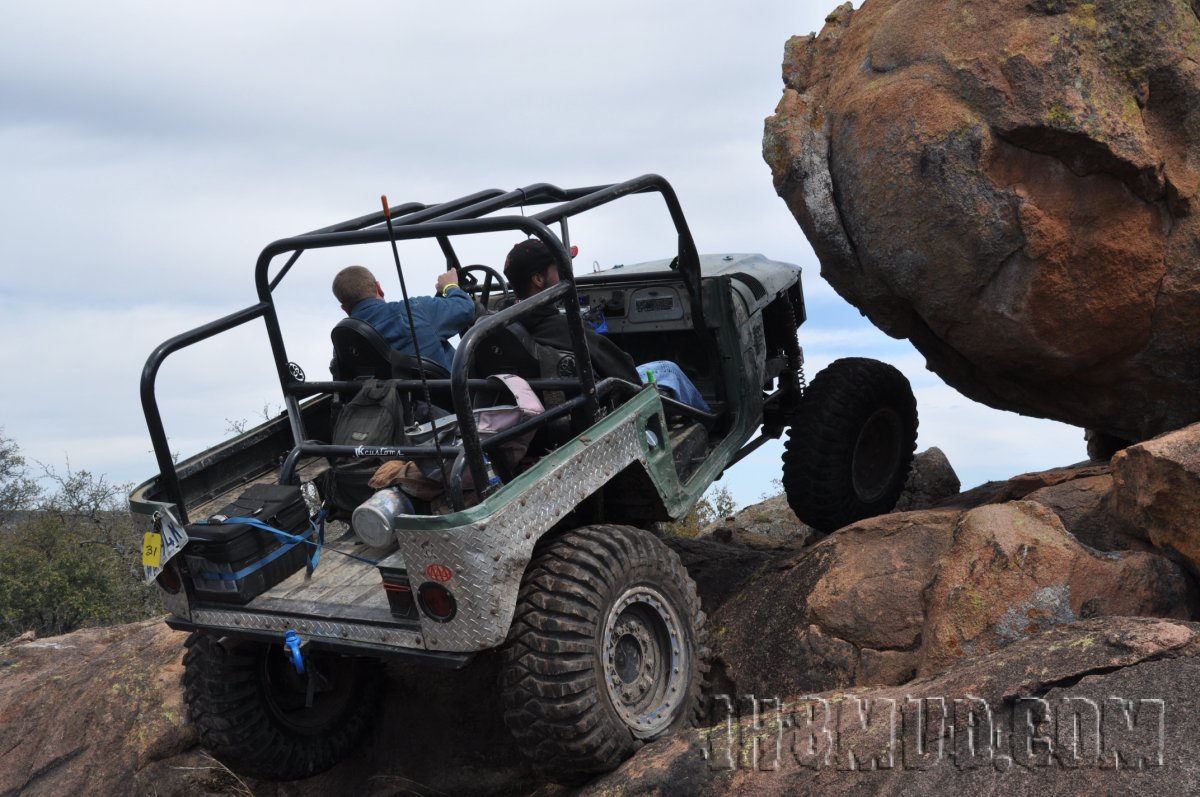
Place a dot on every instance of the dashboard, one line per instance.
(644, 308)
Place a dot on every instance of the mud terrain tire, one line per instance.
(605, 651)
(848, 454)
(248, 705)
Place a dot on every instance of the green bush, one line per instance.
(716, 505)
(54, 579)
(69, 555)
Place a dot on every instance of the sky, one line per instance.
(150, 150)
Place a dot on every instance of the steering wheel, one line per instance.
(491, 279)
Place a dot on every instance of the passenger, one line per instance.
(531, 268)
(437, 318)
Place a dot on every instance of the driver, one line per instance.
(530, 269)
(436, 318)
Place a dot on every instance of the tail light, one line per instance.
(437, 602)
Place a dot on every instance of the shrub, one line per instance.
(68, 556)
(717, 504)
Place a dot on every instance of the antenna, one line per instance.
(387, 215)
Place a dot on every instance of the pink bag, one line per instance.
(496, 419)
(489, 421)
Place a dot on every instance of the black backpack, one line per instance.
(374, 417)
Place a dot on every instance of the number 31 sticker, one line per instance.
(159, 546)
(152, 549)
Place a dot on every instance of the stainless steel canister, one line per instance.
(372, 520)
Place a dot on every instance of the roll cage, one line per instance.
(471, 214)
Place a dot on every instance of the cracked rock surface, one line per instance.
(993, 594)
(1012, 186)
(1095, 707)
(888, 599)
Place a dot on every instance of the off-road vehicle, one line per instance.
(555, 559)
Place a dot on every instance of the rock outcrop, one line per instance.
(1013, 571)
(985, 596)
(847, 611)
(1096, 707)
(1012, 186)
(769, 524)
(100, 712)
(931, 479)
(907, 594)
(1157, 492)
(96, 712)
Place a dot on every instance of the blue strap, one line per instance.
(293, 539)
(318, 525)
(291, 641)
(315, 559)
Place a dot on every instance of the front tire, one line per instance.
(604, 652)
(848, 454)
(251, 708)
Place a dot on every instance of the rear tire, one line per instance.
(848, 455)
(248, 705)
(604, 653)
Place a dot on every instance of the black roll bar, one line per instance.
(305, 389)
(158, 435)
(440, 221)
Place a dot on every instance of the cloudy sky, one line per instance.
(150, 150)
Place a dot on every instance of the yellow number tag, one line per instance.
(152, 549)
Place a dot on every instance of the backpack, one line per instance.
(374, 417)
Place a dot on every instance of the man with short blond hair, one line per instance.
(353, 284)
(436, 318)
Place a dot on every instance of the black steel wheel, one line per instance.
(604, 653)
(848, 453)
(262, 718)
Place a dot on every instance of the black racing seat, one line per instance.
(512, 350)
(359, 352)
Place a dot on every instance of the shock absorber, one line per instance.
(783, 321)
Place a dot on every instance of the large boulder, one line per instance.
(1157, 491)
(1011, 185)
(848, 611)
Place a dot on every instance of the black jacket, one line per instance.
(549, 328)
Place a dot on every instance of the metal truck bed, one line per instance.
(341, 588)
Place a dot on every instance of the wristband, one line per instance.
(448, 286)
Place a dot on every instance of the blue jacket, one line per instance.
(436, 318)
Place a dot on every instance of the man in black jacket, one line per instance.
(531, 268)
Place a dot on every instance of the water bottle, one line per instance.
(493, 480)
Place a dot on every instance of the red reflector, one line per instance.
(439, 573)
(437, 602)
(574, 251)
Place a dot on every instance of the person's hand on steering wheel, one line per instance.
(445, 282)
